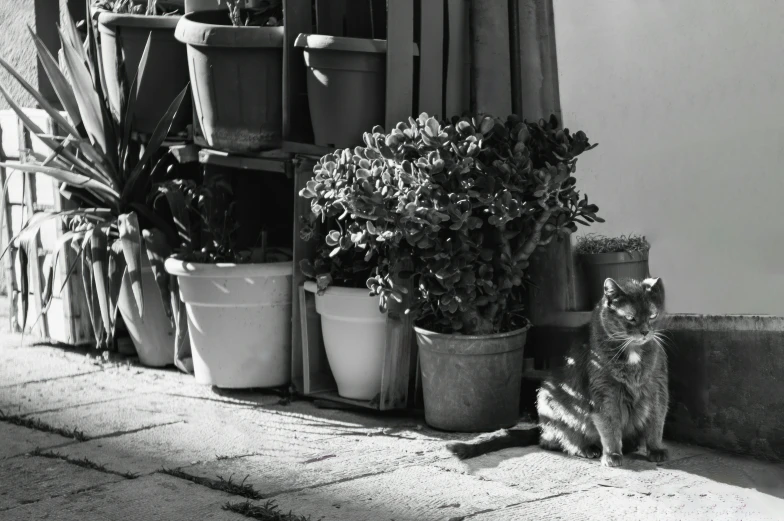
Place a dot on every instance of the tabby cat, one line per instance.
(611, 396)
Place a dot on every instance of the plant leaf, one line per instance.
(99, 260)
(65, 176)
(158, 250)
(131, 238)
(93, 307)
(116, 270)
(158, 136)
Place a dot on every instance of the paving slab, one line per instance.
(16, 440)
(28, 364)
(610, 504)
(421, 493)
(151, 498)
(336, 459)
(28, 479)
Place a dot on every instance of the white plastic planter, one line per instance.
(354, 332)
(239, 321)
(152, 334)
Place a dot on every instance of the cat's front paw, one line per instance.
(591, 452)
(658, 455)
(612, 460)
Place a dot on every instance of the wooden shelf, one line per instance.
(305, 149)
(570, 319)
(272, 161)
(536, 374)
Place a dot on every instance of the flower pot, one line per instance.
(354, 332)
(236, 79)
(346, 81)
(471, 383)
(152, 334)
(597, 267)
(239, 321)
(165, 74)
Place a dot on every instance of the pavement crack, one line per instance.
(74, 406)
(38, 425)
(117, 434)
(52, 379)
(84, 463)
(224, 485)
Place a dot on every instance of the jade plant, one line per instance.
(453, 210)
(592, 244)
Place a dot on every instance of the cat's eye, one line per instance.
(630, 318)
(654, 315)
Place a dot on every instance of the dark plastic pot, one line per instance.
(471, 383)
(236, 80)
(165, 75)
(597, 267)
(346, 86)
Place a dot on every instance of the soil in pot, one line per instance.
(346, 81)
(239, 321)
(597, 267)
(236, 79)
(165, 74)
(152, 333)
(354, 332)
(471, 383)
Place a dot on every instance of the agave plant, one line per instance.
(143, 7)
(104, 172)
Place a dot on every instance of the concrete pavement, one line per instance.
(328, 464)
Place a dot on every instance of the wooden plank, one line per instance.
(358, 21)
(400, 345)
(400, 62)
(552, 270)
(330, 17)
(458, 59)
(297, 18)
(218, 158)
(303, 172)
(490, 74)
(185, 153)
(306, 149)
(538, 70)
(10, 277)
(431, 58)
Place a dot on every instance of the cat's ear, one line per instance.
(653, 285)
(611, 289)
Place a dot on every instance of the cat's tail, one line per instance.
(506, 439)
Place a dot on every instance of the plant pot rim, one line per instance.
(108, 22)
(310, 285)
(614, 257)
(325, 42)
(226, 270)
(193, 32)
(492, 336)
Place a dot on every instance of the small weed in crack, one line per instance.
(84, 462)
(32, 423)
(238, 489)
(269, 511)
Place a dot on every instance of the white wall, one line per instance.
(686, 101)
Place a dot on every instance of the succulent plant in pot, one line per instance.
(602, 257)
(124, 27)
(457, 209)
(121, 242)
(238, 303)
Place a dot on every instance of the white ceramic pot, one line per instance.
(239, 321)
(152, 333)
(354, 333)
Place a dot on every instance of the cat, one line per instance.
(612, 394)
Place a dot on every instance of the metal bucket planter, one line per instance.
(346, 86)
(597, 267)
(165, 75)
(239, 321)
(236, 79)
(354, 332)
(471, 383)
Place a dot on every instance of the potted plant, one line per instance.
(346, 82)
(238, 302)
(125, 26)
(235, 59)
(604, 257)
(457, 209)
(353, 324)
(120, 241)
